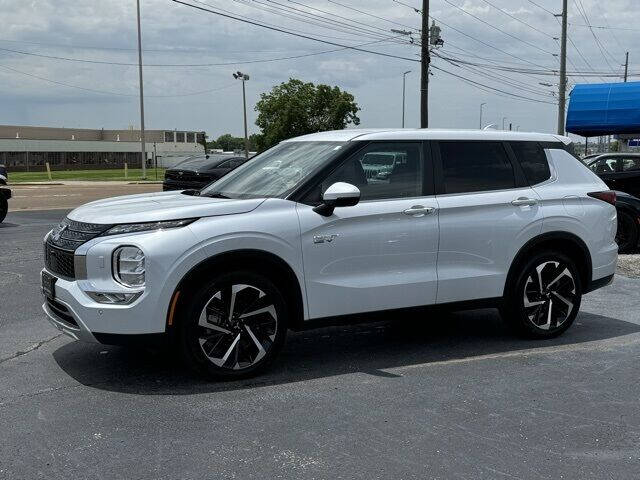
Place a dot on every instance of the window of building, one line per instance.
(16, 159)
(191, 137)
(179, 137)
(382, 171)
(532, 160)
(168, 137)
(475, 167)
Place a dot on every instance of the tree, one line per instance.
(296, 108)
(228, 142)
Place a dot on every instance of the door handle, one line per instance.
(419, 211)
(524, 202)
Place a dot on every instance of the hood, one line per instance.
(152, 207)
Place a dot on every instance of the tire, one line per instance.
(243, 344)
(547, 310)
(4, 207)
(627, 234)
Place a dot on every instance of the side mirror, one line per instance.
(340, 194)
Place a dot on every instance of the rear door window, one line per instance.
(475, 167)
(532, 160)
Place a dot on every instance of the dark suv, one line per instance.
(620, 171)
(198, 172)
(5, 193)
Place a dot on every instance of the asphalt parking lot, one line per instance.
(456, 396)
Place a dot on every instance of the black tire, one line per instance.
(561, 284)
(4, 208)
(627, 234)
(210, 349)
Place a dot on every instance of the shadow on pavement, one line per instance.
(326, 352)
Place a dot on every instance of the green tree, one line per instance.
(296, 108)
(228, 142)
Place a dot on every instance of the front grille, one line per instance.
(182, 176)
(63, 241)
(59, 261)
(62, 312)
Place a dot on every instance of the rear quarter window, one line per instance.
(532, 160)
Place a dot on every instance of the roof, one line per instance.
(426, 134)
(604, 109)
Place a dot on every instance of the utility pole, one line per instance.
(244, 77)
(481, 106)
(404, 81)
(142, 139)
(424, 74)
(626, 67)
(562, 89)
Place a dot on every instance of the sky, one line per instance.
(183, 91)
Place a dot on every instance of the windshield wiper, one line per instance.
(215, 195)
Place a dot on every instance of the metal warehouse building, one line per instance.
(30, 148)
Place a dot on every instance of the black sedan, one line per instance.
(5, 193)
(197, 172)
(628, 209)
(620, 171)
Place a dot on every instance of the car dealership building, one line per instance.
(26, 148)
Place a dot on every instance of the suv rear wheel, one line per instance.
(545, 298)
(233, 326)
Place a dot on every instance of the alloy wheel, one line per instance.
(549, 295)
(237, 326)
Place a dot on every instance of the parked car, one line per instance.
(5, 193)
(620, 171)
(299, 237)
(199, 171)
(628, 233)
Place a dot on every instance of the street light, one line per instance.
(503, 120)
(404, 77)
(481, 105)
(244, 77)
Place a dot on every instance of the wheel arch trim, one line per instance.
(267, 259)
(586, 270)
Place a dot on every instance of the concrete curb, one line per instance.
(19, 184)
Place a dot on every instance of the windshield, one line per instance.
(276, 172)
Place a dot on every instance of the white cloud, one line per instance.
(177, 34)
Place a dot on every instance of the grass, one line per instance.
(134, 174)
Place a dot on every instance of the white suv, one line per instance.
(300, 236)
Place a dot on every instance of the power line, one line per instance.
(371, 14)
(238, 62)
(417, 10)
(104, 92)
(515, 37)
(541, 7)
(521, 97)
(595, 37)
(518, 19)
(281, 30)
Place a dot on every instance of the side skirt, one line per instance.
(380, 315)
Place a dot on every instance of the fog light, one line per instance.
(129, 266)
(114, 298)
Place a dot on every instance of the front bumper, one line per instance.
(67, 321)
(5, 193)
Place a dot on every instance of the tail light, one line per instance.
(606, 196)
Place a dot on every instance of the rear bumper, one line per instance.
(599, 283)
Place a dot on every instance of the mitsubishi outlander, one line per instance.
(303, 235)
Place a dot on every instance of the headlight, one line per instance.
(128, 266)
(143, 227)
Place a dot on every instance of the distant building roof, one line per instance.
(604, 109)
(53, 133)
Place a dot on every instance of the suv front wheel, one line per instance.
(544, 299)
(233, 325)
